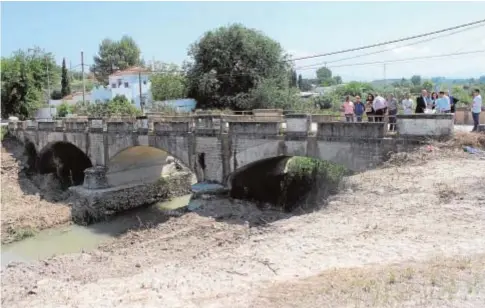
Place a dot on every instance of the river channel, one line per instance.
(74, 238)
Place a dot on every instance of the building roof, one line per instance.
(130, 71)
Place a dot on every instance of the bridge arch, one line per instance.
(64, 159)
(142, 164)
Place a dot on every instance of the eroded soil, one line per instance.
(408, 235)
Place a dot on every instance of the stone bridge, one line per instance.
(215, 146)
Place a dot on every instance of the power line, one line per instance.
(390, 42)
(345, 65)
(406, 59)
(385, 50)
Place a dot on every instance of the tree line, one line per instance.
(232, 67)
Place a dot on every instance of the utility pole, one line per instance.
(70, 71)
(385, 80)
(82, 72)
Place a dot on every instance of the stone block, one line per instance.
(162, 128)
(76, 126)
(351, 130)
(46, 125)
(297, 124)
(95, 178)
(425, 125)
(254, 128)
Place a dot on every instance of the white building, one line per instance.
(126, 83)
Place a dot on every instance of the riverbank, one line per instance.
(28, 204)
(418, 223)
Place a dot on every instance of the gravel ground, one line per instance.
(409, 234)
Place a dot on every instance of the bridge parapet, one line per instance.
(254, 128)
(354, 130)
(76, 124)
(261, 122)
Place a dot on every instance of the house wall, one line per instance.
(117, 86)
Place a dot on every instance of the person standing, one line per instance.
(453, 101)
(442, 103)
(432, 103)
(359, 109)
(348, 108)
(392, 105)
(476, 109)
(379, 106)
(422, 102)
(407, 104)
(369, 110)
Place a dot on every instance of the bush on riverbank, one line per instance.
(309, 181)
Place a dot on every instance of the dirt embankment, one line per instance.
(29, 204)
(408, 235)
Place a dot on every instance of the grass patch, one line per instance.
(3, 132)
(430, 283)
(18, 234)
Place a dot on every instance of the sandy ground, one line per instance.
(27, 206)
(408, 235)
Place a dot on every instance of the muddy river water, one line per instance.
(75, 238)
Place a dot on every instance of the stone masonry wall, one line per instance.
(91, 205)
(213, 146)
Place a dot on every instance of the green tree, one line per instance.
(65, 83)
(24, 81)
(300, 82)
(324, 77)
(227, 63)
(354, 88)
(115, 55)
(270, 94)
(118, 106)
(293, 79)
(428, 85)
(168, 83)
(64, 109)
(56, 95)
(337, 79)
(416, 80)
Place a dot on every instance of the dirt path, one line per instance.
(27, 207)
(390, 232)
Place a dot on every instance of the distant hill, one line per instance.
(435, 80)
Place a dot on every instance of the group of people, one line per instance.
(376, 107)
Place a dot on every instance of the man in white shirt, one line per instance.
(379, 106)
(407, 104)
(476, 109)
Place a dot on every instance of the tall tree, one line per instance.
(416, 80)
(324, 76)
(229, 62)
(300, 82)
(293, 79)
(65, 84)
(25, 77)
(115, 55)
(337, 79)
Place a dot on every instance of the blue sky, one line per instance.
(164, 30)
